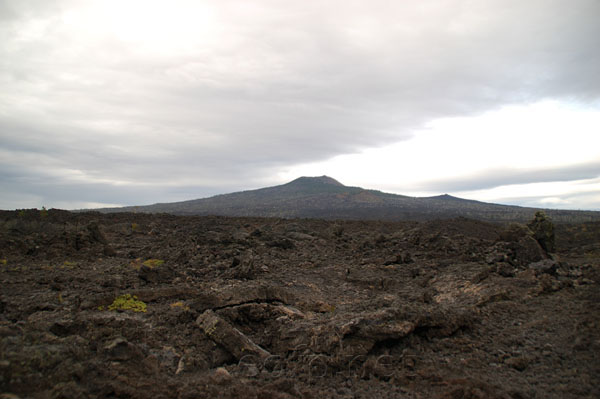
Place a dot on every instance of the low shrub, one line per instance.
(128, 302)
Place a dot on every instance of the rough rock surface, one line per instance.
(270, 308)
(229, 337)
(543, 231)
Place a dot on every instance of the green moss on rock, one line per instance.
(153, 263)
(127, 302)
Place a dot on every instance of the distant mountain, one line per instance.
(326, 198)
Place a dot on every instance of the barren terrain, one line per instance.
(138, 305)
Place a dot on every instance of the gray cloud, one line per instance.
(583, 200)
(502, 177)
(22, 190)
(270, 86)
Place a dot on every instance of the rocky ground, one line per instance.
(138, 306)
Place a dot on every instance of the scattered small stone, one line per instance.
(180, 366)
(547, 284)
(109, 251)
(479, 277)
(519, 363)
(505, 269)
(502, 295)
(120, 349)
(547, 266)
(221, 376)
(583, 281)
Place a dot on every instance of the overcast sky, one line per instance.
(130, 102)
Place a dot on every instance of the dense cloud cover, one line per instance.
(135, 102)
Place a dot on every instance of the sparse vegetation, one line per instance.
(149, 263)
(128, 302)
(153, 263)
(179, 305)
(68, 265)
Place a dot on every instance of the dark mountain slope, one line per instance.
(324, 197)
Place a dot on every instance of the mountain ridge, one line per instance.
(323, 197)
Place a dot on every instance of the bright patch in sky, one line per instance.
(152, 26)
(544, 135)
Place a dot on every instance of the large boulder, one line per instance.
(518, 246)
(543, 231)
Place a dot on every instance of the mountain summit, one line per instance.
(304, 181)
(323, 197)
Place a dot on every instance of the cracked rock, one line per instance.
(229, 337)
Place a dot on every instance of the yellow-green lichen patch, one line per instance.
(153, 263)
(68, 265)
(3, 262)
(128, 302)
(179, 305)
(210, 330)
(136, 263)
